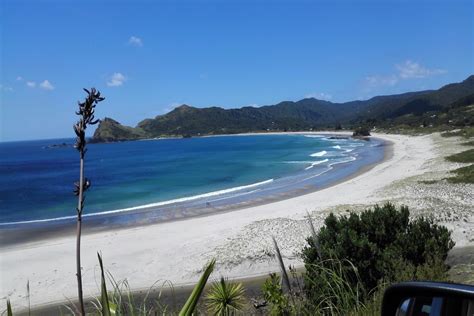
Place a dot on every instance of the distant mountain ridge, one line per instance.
(306, 114)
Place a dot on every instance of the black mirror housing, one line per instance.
(428, 299)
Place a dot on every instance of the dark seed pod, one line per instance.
(86, 110)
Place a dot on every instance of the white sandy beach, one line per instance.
(241, 239)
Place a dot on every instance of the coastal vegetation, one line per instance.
(372, 249)
(361, 131)
(466, 132)
(378, 242)
(463, 174)
(225, 298)
(348, 264)
(450, 107)
(463, 157)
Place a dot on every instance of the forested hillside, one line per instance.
(450, 105)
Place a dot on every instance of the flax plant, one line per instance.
(191, 303)
(225, 298)
(86, 118)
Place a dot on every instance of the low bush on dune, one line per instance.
(383, 245)
(353, 258)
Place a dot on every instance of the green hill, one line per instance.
(110, 130)
(448, 104)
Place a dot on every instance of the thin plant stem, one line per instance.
(86, 114)
(78, 236)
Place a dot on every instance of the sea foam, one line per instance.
(315, 136)
(319, 154)
(157, 204)
(315, 163)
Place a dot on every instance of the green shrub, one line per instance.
(382, 244)
(361, 131)
(273, 294)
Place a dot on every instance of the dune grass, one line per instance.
(462, 175)
(466, 132)
(466, 156)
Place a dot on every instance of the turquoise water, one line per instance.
(36, 179)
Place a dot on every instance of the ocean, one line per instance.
(163, 179)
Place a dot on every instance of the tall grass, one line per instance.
(9, 308)
(120, 300)
(107, 308)
(335, 292)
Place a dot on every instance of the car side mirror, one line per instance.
(428, 299)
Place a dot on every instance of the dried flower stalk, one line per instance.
(86, 117)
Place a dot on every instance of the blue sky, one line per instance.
(148, 56)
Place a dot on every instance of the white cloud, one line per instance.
(19, 78)
(46, 85)
(135, 41)
(31, 84)
(319, 96)
(377, 81)
(116, 80)
(203, 76)
(410, 69)
(404, 71)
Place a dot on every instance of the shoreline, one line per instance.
(175, 296)
(21, 233)
(240, 240)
